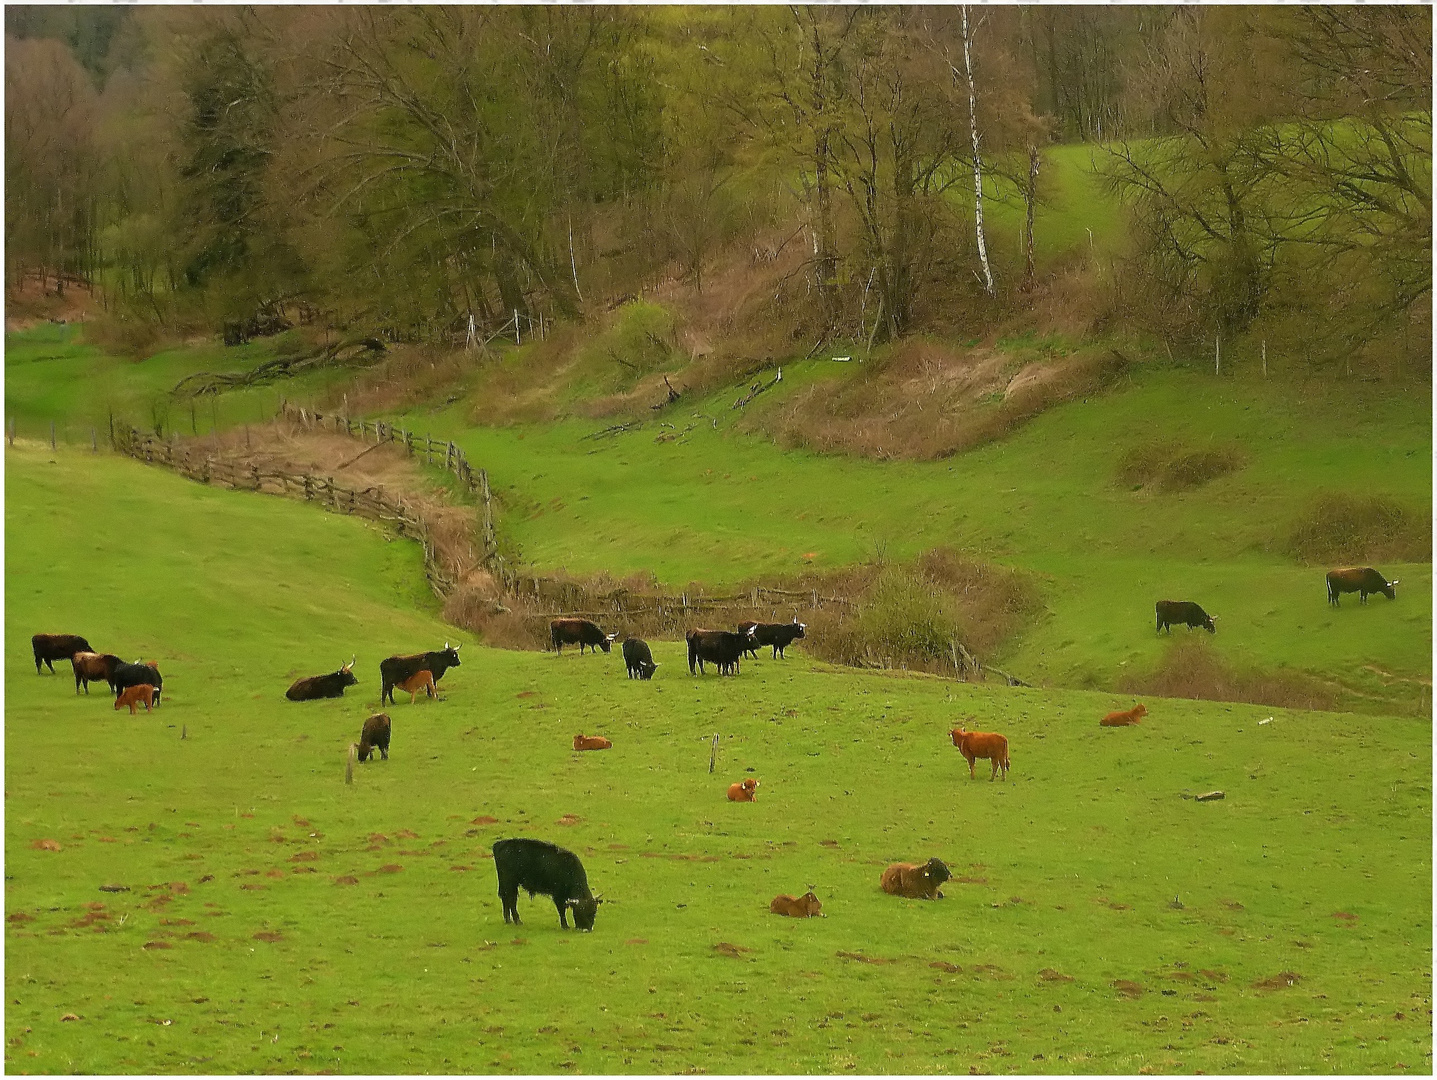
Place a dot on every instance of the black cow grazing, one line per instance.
(638, 659)
(579, 632)
(398, 669)
(779, 635)
(94, 667)
(1359, 579)
(323, 686)
(721, 647)
(375, 735)
(537, 866)
(137, 674)
(1177, 612)
(51, 647)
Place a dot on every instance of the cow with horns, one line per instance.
(580, 632)
(1362, 580)
(394, 670)
(324, 686)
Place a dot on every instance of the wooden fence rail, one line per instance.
(373, 503)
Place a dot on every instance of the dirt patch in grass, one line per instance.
(1281, 981)
(1168, 468)
(1192, 668)
(1339, 527)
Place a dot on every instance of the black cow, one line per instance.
(323, 686)
(721, 647)
(779, 635)
(579, 632)
(1359, 579)
(136, 674)
(94, 667)
(375, 735)
(51, 647)
(638, 659)
(1175, 612)
(398, 669)
(537, 866)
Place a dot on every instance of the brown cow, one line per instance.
(917, 881)
(375, 735)
(144, 694)
(797, 907)
(93, 667)
(591, 742)
(743, 791)
(420, 680)
(1123, 719)
(982, 744)
(51, 647)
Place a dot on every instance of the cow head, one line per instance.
(936, 871)
(451, 655)
(750, 784)
(647, 669)
(1390, 589)
(346, 673)
(958, 734)
(1208, 624)
(606, 645)
(584, 912)
(811, 906)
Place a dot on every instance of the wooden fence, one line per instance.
(434, 452)
(373, 503)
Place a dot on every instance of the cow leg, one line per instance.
(970, 767)
(50, 666)
(563, 912)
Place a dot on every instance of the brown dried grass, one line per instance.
(1175, 467)
(1192, 668)
(1338, 527)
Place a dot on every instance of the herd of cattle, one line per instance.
(539, 867)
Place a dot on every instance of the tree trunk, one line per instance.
(977, 160)
(1030, 196)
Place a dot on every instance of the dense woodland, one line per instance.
(428, 174)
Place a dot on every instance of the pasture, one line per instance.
(276, 919)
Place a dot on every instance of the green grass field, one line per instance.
(279, 920)
(719, 506)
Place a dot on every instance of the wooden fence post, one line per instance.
(308, 487)
(254, 474)
(11, 431)
(52, 435)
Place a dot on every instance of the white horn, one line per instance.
(446, 644)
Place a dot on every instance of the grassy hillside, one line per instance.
(719, 506)
(280, 920)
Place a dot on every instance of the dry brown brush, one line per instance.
(1176, 467)
(1338, 527)
(1193, 669)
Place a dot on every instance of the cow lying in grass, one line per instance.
(144, 694)
(317, 687)
(420, 680)
(591, 742)
(917, 881)
(1123, 719)
(375, 736)
(797, 907)
(982, 744)
(743, 791)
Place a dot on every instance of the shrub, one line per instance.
(1342, 528)
(1192, 668)
(1176, 468)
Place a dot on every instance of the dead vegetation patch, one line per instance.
(926, 401)
(1339, 527)
(1174, 467)
(1193, 669)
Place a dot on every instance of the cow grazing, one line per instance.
(797, 907)
(394, 670)
(93, 667)
(143, 694)
(591, 742)
(420, 680)
(51, 647)
(375, 736)
(1362, 580)
(1179, 612)
(323, 686)
(917, 881)
(136, 674)
(982, 744)
(779, 635)
(537, 866)
(720, 647)
(1123, 719)
(743, 791)
(638, 659)
(579, 632)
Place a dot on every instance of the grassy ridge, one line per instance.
(719, 506)
(391, 955)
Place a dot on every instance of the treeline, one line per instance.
(428, 173)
